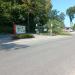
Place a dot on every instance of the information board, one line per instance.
(20, 29)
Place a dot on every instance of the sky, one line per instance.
(62, 5)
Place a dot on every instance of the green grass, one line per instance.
(64, 33)
(22, 36)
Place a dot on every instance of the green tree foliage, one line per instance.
(62, 16)
(24, 12)
(74, 27)
(57, 21)
(5, 17)
(71, 12)
(54, 14)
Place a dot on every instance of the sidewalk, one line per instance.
(8, 44)
(37, 38)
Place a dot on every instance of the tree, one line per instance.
(24, 12)
(56, 21)
(71, 12)
(53, 14)
(62, 16)
(74, 27)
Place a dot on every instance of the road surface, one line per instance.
(56, 57)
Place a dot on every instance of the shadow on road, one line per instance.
(12, 46)
(5, 44)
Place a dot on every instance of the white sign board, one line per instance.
(45, 29)
(20, 29)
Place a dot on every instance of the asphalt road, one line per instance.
(55, 57)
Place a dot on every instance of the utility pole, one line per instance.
(28, 23)
(29, 11)
(51, 31)
(14, 2)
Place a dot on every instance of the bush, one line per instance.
(64, 33)
(22, 36)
